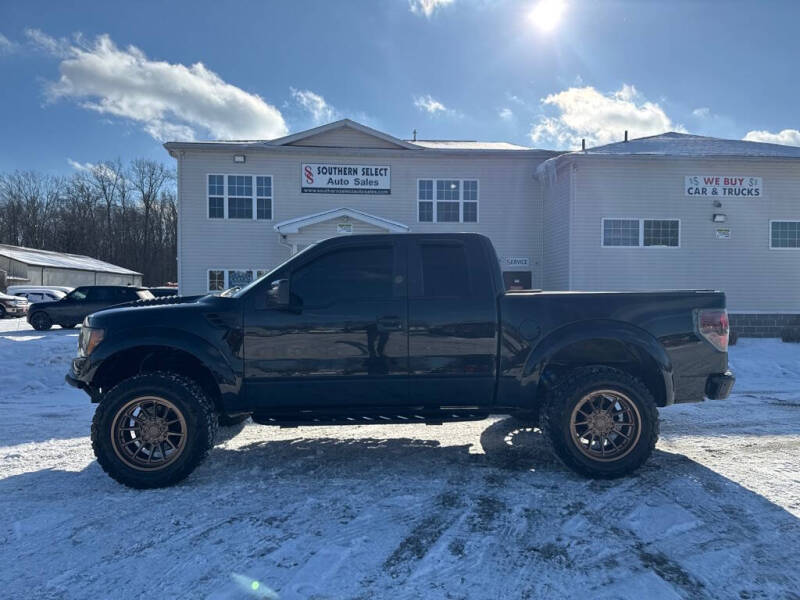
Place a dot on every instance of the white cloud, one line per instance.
(320, 110)
(168, 101)
(788, 137)
(584, 112)
(79, 166)
(7, 46)
(702, 112)
(428, 104)
(506, 114)
(427, 7)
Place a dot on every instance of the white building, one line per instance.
(670, 211)
(43, 267)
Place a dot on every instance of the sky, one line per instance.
(90, 81)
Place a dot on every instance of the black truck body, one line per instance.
(400, 327)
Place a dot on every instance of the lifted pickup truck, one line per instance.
(396, 329)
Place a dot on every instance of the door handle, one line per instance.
(390, 324)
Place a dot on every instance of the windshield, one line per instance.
(240, 292)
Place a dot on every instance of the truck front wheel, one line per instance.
(153, 429)
(601, 422)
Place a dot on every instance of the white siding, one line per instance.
(556, 225)
(754, 277)
(509, 205)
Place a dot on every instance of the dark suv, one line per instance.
(80, 302)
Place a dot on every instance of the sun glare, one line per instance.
(546, 15)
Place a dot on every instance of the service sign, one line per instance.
(324, 178)
(516, 261)
(723, 186)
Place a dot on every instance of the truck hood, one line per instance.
(158, 311)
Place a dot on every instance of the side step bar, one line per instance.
(385, 417)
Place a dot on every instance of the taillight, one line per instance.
(712, 324)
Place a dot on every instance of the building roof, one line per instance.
(467, 145)
(675, 145)
(61, 260)
(684, 144)
(289, 143)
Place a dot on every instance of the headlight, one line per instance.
(89, 339)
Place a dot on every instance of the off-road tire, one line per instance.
(228, 421)
(196, 408)
(41, 321)
(556, 416)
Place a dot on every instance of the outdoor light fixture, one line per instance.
(239, 158)
(716, 204)
(719, 218)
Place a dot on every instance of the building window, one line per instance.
(784, 234)
(244, 197)
(264, 197)
(638, 233)
(447, 200)
(659, 232)
(216, 197)
(216, 281)
(620, 232)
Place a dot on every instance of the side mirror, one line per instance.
(279, 293)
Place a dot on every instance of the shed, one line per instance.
(44, 267)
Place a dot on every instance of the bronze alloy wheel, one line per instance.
(605, 425)
(148, 433)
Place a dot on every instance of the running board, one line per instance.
(386, 417)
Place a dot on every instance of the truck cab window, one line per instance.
(355, 273)
(444, 271)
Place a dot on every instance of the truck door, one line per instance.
(452, 323)
(343, 341)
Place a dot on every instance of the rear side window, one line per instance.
(444, 271)
(356, 273)
(101, 294)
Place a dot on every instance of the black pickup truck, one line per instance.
(396, 329)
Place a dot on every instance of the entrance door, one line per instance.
(343, 341)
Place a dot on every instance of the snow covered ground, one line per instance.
(454, 511)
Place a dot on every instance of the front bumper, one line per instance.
(719, 386)
(74, 378)
(17, 311)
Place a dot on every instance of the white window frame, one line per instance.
(460, 200)
(254, 197)
(226, 275)
(641, 232)
(769, 234)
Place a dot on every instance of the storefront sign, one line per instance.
(515, 262)
(345, 179)
(717, 185)
(724, 233)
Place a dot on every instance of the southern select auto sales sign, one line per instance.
(345, 179)
(717, 185)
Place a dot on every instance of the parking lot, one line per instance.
(452, 511)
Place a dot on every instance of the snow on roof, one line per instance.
(46, 258)
(467, 145)
(684, 144)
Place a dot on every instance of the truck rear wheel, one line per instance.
(152, 430)
(601, 422)
(41, 321)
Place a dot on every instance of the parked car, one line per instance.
(15, 289)
(12, 306)
(73, 308)
(163, 291)
(41, 295)
(396, 329)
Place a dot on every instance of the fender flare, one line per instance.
(223, 373)
(638, 342)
